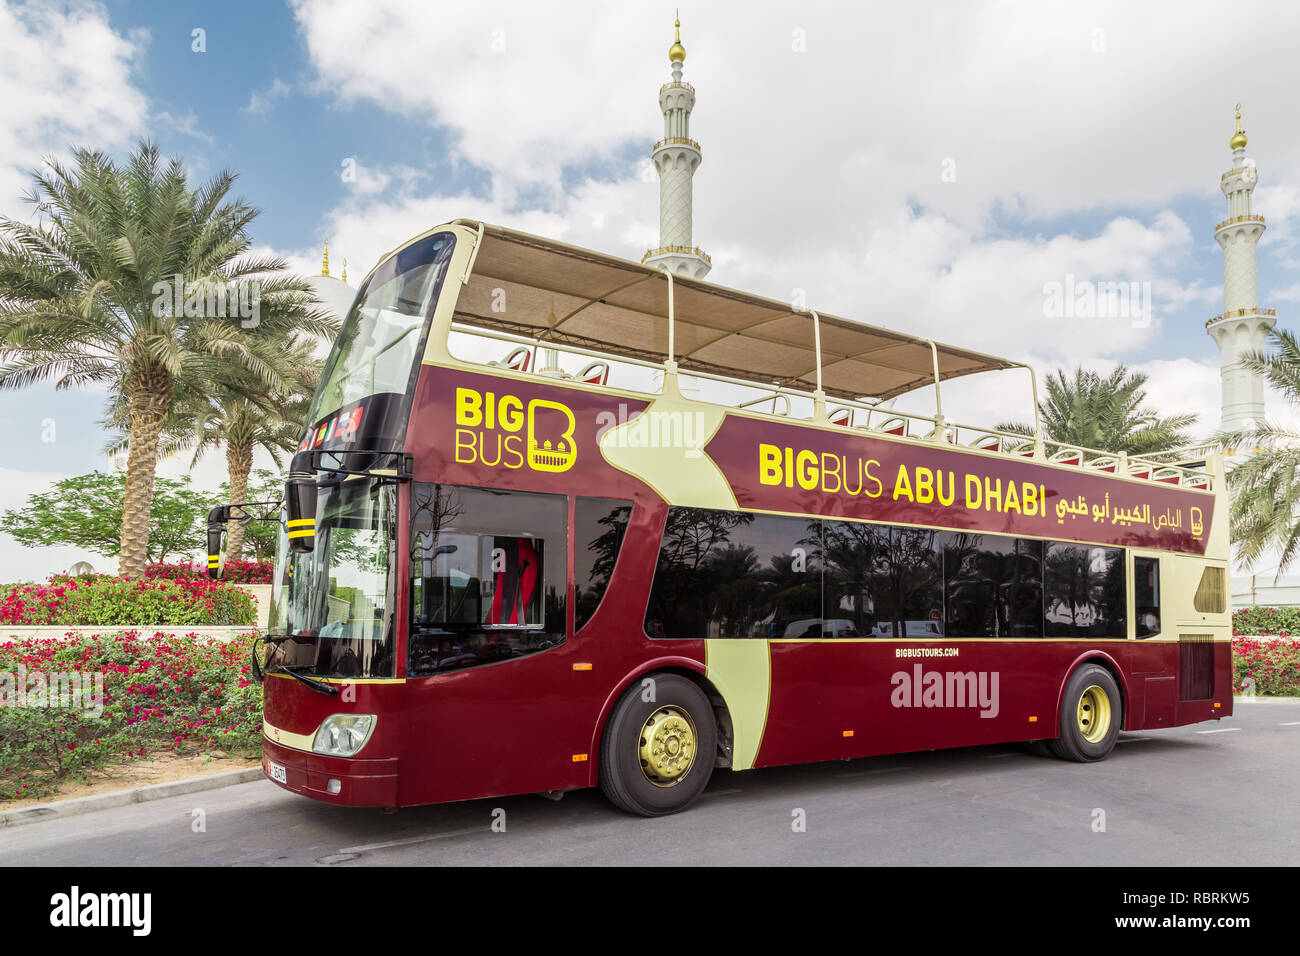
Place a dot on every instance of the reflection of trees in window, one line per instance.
(849, 555)
(599, 526)
(1084, 591)
(878, 578)
(679, 601)
(793, 588)
(993, 586)
(725, 574)
(736, 590)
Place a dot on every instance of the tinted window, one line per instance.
(1146, 596)
(881, 581)
(1083, 591)
(993, 586)
(487, 575)
(728, 574)
(599, 525)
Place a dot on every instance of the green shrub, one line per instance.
(1274, 666)
(100, 601)
(165, 692)
(1252, 621)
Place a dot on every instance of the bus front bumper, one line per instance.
(353, 783)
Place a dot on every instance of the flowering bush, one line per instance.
(1274, 665)
(107, 601)
(1266, 620)
(163, 692)
(234, 572)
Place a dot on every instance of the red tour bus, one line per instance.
(522, 553)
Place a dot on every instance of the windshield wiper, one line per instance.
(324, 688)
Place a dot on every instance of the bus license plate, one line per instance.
(276, 772)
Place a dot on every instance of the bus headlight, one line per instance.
(343, 735)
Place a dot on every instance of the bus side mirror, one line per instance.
(216, 528)
(300, 504)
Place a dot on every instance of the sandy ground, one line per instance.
(162, 768)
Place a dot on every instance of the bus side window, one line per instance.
(599, 525)
(1146, 596)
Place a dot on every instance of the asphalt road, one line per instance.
(1210, 794)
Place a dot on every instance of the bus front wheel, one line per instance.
(1092, 712)
(659, 746)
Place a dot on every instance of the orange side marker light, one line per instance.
(848, 733)
(579, 758)
(1033, 720)
(582, 667)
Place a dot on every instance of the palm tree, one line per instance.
(1266, 486)
(80, 298)
(240, 413)
(1107, 413)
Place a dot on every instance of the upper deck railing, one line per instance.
(1186, 467)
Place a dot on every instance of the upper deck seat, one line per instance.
(1068, 456)
(894, 426)
(597, 373)
(517, 361)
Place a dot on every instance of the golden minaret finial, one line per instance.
(345, 271)
(677, 52)
(1238, 140)
(325, 259)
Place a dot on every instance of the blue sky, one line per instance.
(1087, 140)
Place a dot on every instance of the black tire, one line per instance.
(1089, 728)
(625, 782)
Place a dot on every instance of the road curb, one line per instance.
(121, 798)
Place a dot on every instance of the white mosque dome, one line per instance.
(334, 292)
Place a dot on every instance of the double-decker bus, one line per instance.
(563, 520)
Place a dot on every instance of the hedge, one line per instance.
(163, 692)
(1274, 665)
(100, 601)
(1251, 621)
(234, 572)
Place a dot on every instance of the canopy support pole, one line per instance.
(819, 396)
(940, 433)
(1039, 450)
(670, 366)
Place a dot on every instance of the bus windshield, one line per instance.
(378, 348)
(335, 603)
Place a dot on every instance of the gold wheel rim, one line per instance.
(667, 747)
(1094, 714)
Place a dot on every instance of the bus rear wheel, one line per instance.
(659, 745)
(1092, 712)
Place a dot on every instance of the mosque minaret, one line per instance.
(1243, 326)
(676, 157)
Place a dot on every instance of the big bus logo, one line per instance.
(502, 430)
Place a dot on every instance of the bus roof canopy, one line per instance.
(571, 296)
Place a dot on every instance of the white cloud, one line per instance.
(187, 124)
(65, 79)
(261, 101)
